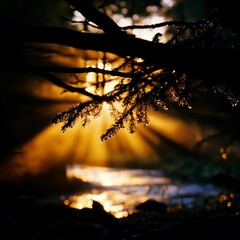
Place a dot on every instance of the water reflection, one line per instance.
(120, 190)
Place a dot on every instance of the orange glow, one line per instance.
(83, 145)
(176, 130)
(102, 177)
(222, 150)
(50, 147)
(223, 197)
(135, 188)
(119, 190)
(224, 156)
(91, 77)
(86, 201)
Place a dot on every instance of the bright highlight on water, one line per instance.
(120, 190)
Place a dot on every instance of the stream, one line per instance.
(119, 190)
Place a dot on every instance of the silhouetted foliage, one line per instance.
(196, 57)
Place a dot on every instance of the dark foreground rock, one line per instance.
(41, 219)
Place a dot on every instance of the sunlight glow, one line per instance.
(134, 184)
(93, 78)
(119, 190)
(83, 145)
(105, 177)
(114, 206)
(168, 3)
(148, 34)
(155, 16)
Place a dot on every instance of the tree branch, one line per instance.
(217, 65)
(201, 59)
(94, 15)
(72, 70)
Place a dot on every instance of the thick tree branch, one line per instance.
(126, 45)
(94, 15)
(216, 64)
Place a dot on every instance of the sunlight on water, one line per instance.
(110, 177)
(120, 190)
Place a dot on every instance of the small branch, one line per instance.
(58, 82)
(83, 22)
(158, 25)
(56, 69)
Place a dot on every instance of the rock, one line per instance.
(153, 206)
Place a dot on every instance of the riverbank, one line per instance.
(34, 210)
(32, 218)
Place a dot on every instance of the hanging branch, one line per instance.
(163, 77)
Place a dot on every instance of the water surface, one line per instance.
(119, 190)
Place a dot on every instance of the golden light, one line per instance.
(222, 150)
(224, 156)
(223, 197)
(86, 201)
(49, 147)
(104, 177)
(118, 190)
(93, 78)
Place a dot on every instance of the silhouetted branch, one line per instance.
(75, 70)
(56, 81)
(194, 60)
(158, 25)
(163, 77)
(94, 15)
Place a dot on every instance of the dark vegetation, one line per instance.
(197, 58)
(31, 218)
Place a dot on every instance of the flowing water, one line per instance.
(120, 190)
